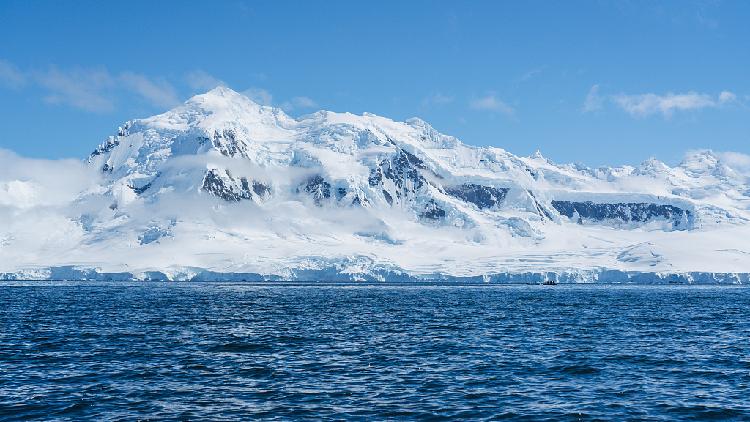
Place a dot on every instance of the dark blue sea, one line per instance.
(228, 351)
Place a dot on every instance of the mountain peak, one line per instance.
(219, 107)
(219, 96)
(698, 161)
(225, 184)
(222, 90)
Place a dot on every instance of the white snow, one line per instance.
(138, 205)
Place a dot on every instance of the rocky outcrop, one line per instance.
(317, 187)
(482, 197)
(588, 211)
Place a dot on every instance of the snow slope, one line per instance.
(223, 188)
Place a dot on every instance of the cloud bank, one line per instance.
(159, 93)
(96, 89)
(667, 104)
(297, 103)
(28, 182)
(650, 104)
(11, 76)
(80, 88)
(492, 103)
(199, 80)
(594, 101)
(89, 89)
(437, 99)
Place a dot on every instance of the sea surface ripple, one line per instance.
(228, 351)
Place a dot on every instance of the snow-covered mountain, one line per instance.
(223, 188)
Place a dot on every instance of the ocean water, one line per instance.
(113, 351)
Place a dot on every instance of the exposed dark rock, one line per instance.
(340, 193)
(481, 196)
(376, 176)
(106, 146)
(202, 140)
(413, 160)
(359, 201)
(540, 209)
(244, 183)
(227, 144)
(222, 184)
(626, 212)
(432, 211)
(261, 189)
(388, 197)
(214, 184)
(225, 189)
(318, 188)
(124, 130)
(403, 169)
(140, 190)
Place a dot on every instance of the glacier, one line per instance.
(222, 188)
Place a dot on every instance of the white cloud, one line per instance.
(96, 89)
(159, 93)
(90, 89)
(259, 95)
(10, 76)
(304, 102)
(437, 99)
(27, 182)
(264, 97)
(650, 104)
(727, 97)
(81, 88)
(736, 161)
(198, 80)
(492, 103)
(299, 102)
(531, 74)
(593, 101)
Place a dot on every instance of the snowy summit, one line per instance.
(224, 188)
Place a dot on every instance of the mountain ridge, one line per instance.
(223, 185)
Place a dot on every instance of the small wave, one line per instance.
(238, 347)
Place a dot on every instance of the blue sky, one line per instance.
(599, 82)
